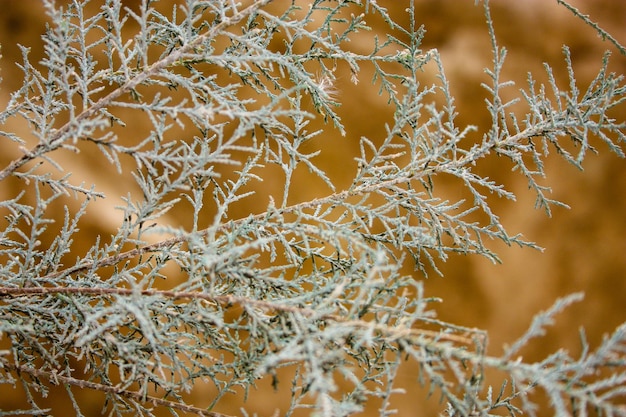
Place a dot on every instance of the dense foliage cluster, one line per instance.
(311, 295)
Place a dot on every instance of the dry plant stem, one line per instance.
(55, 379)
(391, 332)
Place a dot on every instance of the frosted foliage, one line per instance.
(323, 297)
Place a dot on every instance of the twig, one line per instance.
(385, 330)
(80, 383)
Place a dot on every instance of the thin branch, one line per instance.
(392, 332)
(585, 18)
(80, 383)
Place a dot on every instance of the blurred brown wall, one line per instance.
(585, 246)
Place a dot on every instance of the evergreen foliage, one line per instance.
(313, 291)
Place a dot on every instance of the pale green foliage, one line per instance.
(315, 287)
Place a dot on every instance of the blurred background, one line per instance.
(585, 247)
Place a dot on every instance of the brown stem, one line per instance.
(392, 332)
(81, 383)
